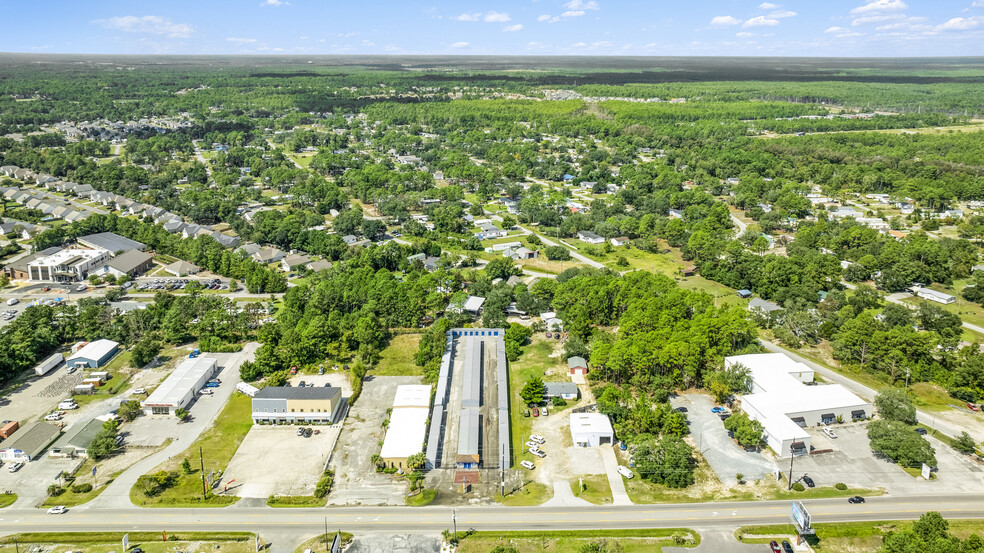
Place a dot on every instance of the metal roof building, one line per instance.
(471, 392)
(468, 438)
(180, 386)
(110, 241)
(94, 354)
(408, 424)
(29, 442)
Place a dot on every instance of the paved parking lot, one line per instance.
(31, 482)
(853, 463)
(274, 460)
(723, 454)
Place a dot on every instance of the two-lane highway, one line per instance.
(431, 520)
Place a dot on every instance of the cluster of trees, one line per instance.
(930, 534)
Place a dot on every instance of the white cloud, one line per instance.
(958, 24)
(768, 6)
(744, 34)
(241, 40)
(572, 13)
(877, 19)
(835, 30)
(723, 20)
(880, 6)
(782, 14)
(513, 28)
(601, 44)
(460, 45)
(761, 21)
(548, 18)
(497, 17)
(978, 4)
(275, 3)
(150, 24)
(468, 17)
(582, 5)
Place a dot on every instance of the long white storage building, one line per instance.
(180, 387)
(784, 400)
(408, 425)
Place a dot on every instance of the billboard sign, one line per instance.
(801, 518)
(925, 471)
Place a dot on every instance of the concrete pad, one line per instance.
(274, 460)
(564, 497)
(585, 460)
(619, 495)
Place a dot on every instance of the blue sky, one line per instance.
(517, 27)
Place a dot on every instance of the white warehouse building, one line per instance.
(591, 430)
(785, 405)
(180, 387)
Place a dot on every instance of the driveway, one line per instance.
(724, 456)
(615, 481)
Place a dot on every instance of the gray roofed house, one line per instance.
(174, 226)
(763, 305)
(190, 230)
(565, 390)
(269, 255)
(82, 189)
(289, 262)
(182, 268)
(249, 249)
(319, 265)
(77, 216)
(225, 239)
(61, 211)
(110, 241)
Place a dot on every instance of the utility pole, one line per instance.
(327, 543)
(201, 460)
(907, 380)
(454, 524)
(791, 457)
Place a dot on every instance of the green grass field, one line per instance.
(7, 499)
(532, 493)
(849, 537)
(537, 541)
(596, 489)
(295, 501)
(534, 361)
(219, 443)
(397, 358)
(151, 542)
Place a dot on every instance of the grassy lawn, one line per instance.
(533, 493)
(304, 160)
(845, 537)
(7, 499)
(318, 542)
(70, 498)
(537, 541)
(397, 358)
(219, 443)
(969, 312)
(152, 542)
(534, 361)
(596, 489)
(300, 501)
(425, 497)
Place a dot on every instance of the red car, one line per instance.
(972, 407)
(775, 546)
(293, 370)
(536, 412)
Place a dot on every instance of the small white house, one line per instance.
(589, 237)
(933, 295)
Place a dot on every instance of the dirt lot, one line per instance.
(274, 460)
(356, 482)
(37, 395)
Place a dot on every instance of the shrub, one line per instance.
(559, 401)
(82, 488)
(55, 490)
(324, 484)
(840, 486)
(798, 487)
(557, 253)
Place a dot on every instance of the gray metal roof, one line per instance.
(290, 392)
(33, 439)
(129, 260)
(111, 241)
(471, 392)
(80, 436)
(557, 389)
(468, 432)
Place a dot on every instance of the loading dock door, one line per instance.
(800, 421)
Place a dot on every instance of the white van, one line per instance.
(13, 301)
(624, 471)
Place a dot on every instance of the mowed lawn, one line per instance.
(397, 358)
(535, 361)
(218, 444)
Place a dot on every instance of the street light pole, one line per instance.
(791, 457)
(454, 524)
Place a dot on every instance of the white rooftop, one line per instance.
(405, 435)
(473, 303)
(188, 375)
(590, 423)
(65, 255)
(94, 350)
(412, 395)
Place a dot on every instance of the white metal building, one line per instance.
(180, 386)
(785, 404)
(93, 354)
(408, 425)
(591, 430)
(69, 265)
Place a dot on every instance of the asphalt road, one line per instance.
(434, 519)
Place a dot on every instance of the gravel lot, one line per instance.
(274, 460)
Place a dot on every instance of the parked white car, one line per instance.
(527, 465)
(15, 466)
(53, 417)
(537, 452)
(531, 444)
(68, 405)
(205, 392)
(829, 432)
(140, 391)
(537, 438)
(624, 471)
(57, 510)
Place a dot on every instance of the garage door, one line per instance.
(603, 440)
(800, 421)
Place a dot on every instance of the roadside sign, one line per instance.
(925, 471)
(336, 544)
(126, 542)
(801, 518)
(93, 470)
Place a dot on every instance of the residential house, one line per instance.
(268, 255)
(291, 262)
(182, 268)
(577, 365)
(589, 237)
(620, 241)
(563, 390)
